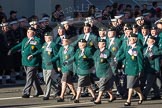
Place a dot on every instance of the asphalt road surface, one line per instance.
(10, 97)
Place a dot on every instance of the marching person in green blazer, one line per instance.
(145, 30)
(102, 33)
(154, 32)
(49, 50)
(28, 46)
(61, 34)
(133, 68)
(88, 36)
(103, 70)
(82, 60)
(91, 40)
(65, 53)
(113, 44)
(151, 67)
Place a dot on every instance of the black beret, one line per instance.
(153, 28)
(48, 34)
(145, 27)
(127, 25)
(60, 26)
(134, 26)
(102, 29)
(66, 37)
(32, 28)
(133, 35)
(102, 40)
(87, 25)
(128, 28)
(152, 37)
(82, 40)
(112, 29)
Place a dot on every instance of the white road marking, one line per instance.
(62, 105)
(10, 98)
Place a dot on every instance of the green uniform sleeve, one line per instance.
(17, 47)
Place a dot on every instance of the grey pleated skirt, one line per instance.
(84, 81)
(105, 84)
(67, 77)
(132, 81)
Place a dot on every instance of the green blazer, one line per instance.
(151, 66)
(83, 62)
(142, 40)
(133, 63)
(91, 43)
(47, 53)
(28, 48)
(64, 56)
(114, 47)
(58, 40)
(101, 60)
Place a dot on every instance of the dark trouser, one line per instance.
(31, 80)
(121, 84)
(156, 90)
(151, 83)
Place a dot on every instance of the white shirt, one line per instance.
(48, 44)
(111, 42)
(86, 36)
(104, 37)
(65, 49)
(148, 48)
(82, 52)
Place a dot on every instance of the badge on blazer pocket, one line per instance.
(32, 47)
(101, 60)
(133, 57)
(84, 57)
(91, 43)
(66, 56)
(49, 52)
(113, 49)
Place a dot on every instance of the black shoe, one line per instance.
(84, 95)
(127, 104)
(76, 101)
(112, 99)
(60, 100)
(25, 96)
(156, 98)
(99, 102)
(37, 95)
(140, 101)
(45, 98)
(73, 97)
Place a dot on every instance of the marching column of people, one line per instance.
(133, 56)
